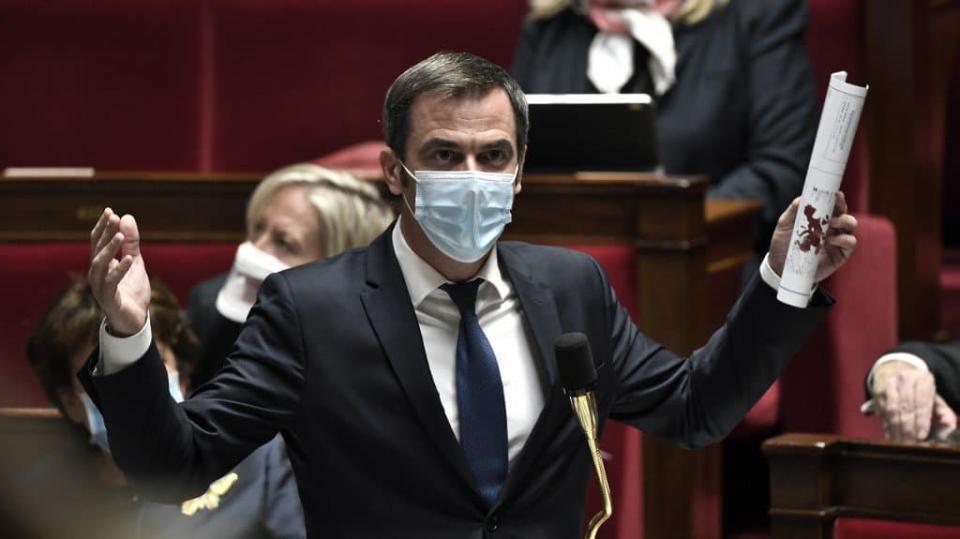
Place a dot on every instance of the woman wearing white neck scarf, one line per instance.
(731, 80)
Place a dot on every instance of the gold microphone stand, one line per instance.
(585, 408)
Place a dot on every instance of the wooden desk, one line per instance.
(683, 247)
(815, 478)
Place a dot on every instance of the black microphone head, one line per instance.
(575, 363)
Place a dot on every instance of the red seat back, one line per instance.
(864, 528)
(835, 42)
(623, 445)
(823, 387)
(33, 273)
(299, 78)
(111, 84)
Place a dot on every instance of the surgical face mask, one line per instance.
(250, 267)
(98, 429)
(462, 212)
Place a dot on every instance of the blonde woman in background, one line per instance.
(296, 215)
(731, 80)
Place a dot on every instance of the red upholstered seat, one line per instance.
(32, 274)
(359, 156)
(863, 528)
(823, 387)
(111, 84)
(622, 445)
(299, 78)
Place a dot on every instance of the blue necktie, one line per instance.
(483, 415)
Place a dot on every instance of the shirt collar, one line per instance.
(422, 278)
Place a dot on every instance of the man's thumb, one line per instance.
(131, 236)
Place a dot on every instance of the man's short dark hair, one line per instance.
(448, 74)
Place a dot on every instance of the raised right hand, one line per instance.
(121, 287)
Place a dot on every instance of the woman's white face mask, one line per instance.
(250, 267)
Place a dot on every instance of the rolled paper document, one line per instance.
(831, 148)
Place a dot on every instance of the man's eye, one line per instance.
(284, 246)
(443, 155)
(496, 156)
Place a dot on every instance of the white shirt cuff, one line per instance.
(772, 279)
(867, 407)
(118, 353)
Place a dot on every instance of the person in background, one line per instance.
(298, 214)
(256, 499)
(731, 80)
(915, 389)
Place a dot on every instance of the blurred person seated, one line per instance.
(297, 214)
(257, 499)
(731, 79)
(915, 389)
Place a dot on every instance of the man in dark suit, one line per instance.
(915, 390)
(414, 380)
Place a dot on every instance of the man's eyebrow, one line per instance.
(434, 143)
(502, 144)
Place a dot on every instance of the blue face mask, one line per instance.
(462, 212)
(95, 424)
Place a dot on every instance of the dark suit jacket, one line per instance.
(216, 333)
(743, 110)
(331, 356)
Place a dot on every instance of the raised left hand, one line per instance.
(838, 244)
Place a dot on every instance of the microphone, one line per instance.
(578, 376)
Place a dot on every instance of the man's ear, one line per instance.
(517, 183)
(392, 171)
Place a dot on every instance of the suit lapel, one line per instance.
(541, 315)
(390, 312)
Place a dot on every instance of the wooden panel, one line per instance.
(911, 46)
(815, 478)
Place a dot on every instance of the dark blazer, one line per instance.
(331, 357)
(743, 110)
(216, 333)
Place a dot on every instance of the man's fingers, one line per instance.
(844, 241)
(906, 385)
(116, 273)
(109, 231)
(788, 217)
(840, 206)
(98, 230)
(846, 223)
(925, 391)
(891, 410)
(944, 419)
(100, 264)
(131, 236)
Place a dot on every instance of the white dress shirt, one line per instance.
(501, 319)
